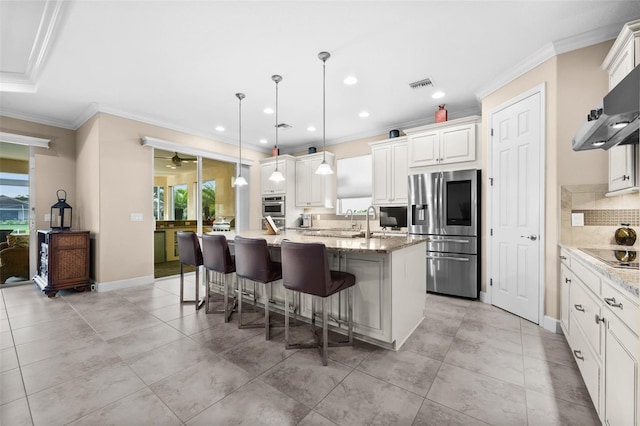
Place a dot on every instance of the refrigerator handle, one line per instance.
(440, 192)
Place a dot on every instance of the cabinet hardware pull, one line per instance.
(563, 257)
(611, 301)
(578, 354)
(625, 177)
(567, 280)
(579, 308)
(599, 319)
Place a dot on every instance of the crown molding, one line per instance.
(27, 82)
(547, 52)
(34, 118)
(629, 30)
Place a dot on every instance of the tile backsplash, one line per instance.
(602, 215)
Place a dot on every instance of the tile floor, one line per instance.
(137, 357)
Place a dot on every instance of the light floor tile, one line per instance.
(486, 334)
(8, 359)
(257, 355)
(428, 343)
(11, 385)
(554, 350)
(545, 410)
(15, 413)
(434, 414)
(490, 400)
(557, 380)
(139, 341)
(361, 399)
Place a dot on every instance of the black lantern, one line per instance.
(61, 209)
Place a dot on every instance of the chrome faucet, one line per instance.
(347, 213)
(370, 209)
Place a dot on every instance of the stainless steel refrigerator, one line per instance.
(446, 207)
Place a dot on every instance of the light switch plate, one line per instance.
(577, 219)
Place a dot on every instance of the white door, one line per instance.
(516, 197)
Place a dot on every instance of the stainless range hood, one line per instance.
(616, 122)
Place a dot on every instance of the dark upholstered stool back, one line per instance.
(216, 254)
(189, 250)
(253, 260)
(305, 268)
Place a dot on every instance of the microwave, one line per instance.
(273, 206)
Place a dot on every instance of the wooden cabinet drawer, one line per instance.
(620, 305)
(586, 275)
(588, 363)
(585, 307)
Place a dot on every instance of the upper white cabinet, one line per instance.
(621, 59)
(314, 190)
(286, 165)
(451, 142)
(390, 171)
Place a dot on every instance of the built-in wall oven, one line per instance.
(445, 206)
(274, 207)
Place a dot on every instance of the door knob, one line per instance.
(531, 237)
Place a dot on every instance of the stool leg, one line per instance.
(181, 283)
(240, 288)
(267, 287)
(225, 283)
(325, 331)
(198, 304)
(207, 274)
(286, 318)
(350, 313)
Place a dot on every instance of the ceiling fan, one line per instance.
(177, 160)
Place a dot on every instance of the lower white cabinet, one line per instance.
(602, 330)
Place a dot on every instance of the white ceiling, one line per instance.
(179, 64)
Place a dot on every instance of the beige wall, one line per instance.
(573, 83)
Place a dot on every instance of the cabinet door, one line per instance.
(303, 174)
(400, 170)
(424, 149)
(371, 296)
(317, 183)
(381, 157)
(565, 286)
(458, 144)
(622, 65)
(270, 187)
(621, 372)
(621, 167)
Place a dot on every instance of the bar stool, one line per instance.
(253, 262)
(305, 269)
(217, 258)
(189, 253)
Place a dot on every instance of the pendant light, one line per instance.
(324, 168)
(240, 181)
(276, 176)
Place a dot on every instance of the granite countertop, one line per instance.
(626, 279)
(386, 244)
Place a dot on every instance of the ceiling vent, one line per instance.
(427, 82)
(284, 126)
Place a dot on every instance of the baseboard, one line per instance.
(551, 324)
(484, 297)
(128, 283)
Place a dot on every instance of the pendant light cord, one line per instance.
(277, 151)
(324, 113)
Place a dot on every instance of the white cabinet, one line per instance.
(390, 171)
(621, 59)
(452, 142)
(286, 165)
(314, 190)
(565, 288)
(602, 331)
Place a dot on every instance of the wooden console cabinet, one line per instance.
(63, 260)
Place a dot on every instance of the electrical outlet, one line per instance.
(136, 217)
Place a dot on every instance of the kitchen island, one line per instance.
(390, 290)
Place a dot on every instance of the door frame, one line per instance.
(538, 89)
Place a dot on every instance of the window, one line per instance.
(180, 200)
(354, 184)
(208, 201)
(158, 202)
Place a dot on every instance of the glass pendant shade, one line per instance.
(324, 168)
(277, 175)
(240, 181)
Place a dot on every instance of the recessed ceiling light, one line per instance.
(263, 141)
(363, 114)
(438, 94)
(268, 110)
(350, 80)
(219, 128)
(311, 129)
